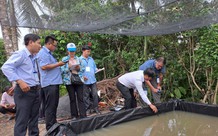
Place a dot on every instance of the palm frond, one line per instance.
(26, 14)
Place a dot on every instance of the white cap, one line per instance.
(71, 47)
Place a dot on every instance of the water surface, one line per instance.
(175, 123)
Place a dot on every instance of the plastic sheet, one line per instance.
(113, 118)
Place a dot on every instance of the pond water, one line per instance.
(176, 123)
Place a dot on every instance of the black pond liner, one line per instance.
(74, 127)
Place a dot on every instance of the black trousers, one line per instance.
(51, 94)
(90, 102)
(42, 104)
(27, 112)
(3, 110)
(156, 96)
(128, 95)
(76, 100)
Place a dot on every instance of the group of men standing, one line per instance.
(38, 75)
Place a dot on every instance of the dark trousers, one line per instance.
(51, 93)
(156, 96)
(128, 95)
(76, 100)
(42, 104)
(27, 112)
(90, 89)
(3, 110)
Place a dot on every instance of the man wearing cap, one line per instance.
(22, 68)
(50, 79)
(75, 89)
(89, 70)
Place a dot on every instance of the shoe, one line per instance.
(81, 117)
(117, 108)
(74, 117)
(41, 120)
(97, 111)
(89, 112)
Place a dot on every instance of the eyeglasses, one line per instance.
(54, 45)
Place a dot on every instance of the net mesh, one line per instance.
(128, 17)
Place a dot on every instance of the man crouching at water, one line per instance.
(134, 81)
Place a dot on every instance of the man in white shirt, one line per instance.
(7, 104)
(134, 81)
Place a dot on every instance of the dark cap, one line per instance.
(86, 47)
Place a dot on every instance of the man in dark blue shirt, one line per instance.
(158, 65)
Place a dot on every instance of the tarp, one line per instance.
(113, 118)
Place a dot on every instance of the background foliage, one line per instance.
(192, 68)
(3, 80)
(120, 54)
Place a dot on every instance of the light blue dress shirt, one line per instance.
(151, 64)
(21, 65)
(50, 76)
(88, 72)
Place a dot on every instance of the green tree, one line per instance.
(3, 58)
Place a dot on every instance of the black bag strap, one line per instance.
(37, 65)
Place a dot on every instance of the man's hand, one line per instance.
(11, 89)
(85, 78)
(159, 87)
(66, 59)
(155, 90)
(24, 87)
(154, 108)
(11, 106)
(6, 106)
(135, 94)
(61, 63)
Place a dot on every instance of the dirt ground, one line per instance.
(63, 114)
(7, 126)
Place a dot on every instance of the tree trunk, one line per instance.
(7, 38)
(9, 33)
(145, 48)
(14, 29)
(205, 97)
(191, 86)
(133, 6)
(215, 93)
